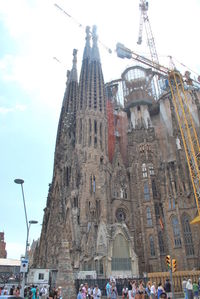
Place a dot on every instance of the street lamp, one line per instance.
(28, 225)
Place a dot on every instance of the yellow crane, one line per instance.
(184, 118)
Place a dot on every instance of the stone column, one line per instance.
(65, 276)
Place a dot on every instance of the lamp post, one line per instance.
(28, 225)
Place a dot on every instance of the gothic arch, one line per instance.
(187, 234)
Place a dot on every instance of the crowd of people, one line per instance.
(138, 290)
(33, 292)
(132, 290)
(191, 289)
(13, 291)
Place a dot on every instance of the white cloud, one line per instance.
(17, 107)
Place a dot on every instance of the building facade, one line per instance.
(121, 197)
(3, 252)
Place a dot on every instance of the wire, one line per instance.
(81, 26)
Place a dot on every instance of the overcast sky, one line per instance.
(32, 83)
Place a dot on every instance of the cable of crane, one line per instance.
(82, 26)
(186, 67)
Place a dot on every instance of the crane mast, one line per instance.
(184, 118)
(144, 21)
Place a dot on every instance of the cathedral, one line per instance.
(121, 197)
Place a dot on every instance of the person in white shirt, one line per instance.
(189, 288)
(153, 291)
(96, 292)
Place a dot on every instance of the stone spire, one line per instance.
(87, 49)
(96, 91)
(68, 110)
(73, 74)
(95, 51)
(83, 82)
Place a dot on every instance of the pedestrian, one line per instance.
(96, 292)
(148, 289)
(184, 282)
(108, 289)
(195, 290)
(189, 288)
(59, 293)
(134, 289)
(52, 293)
(163, 295)
(114, 293)
(90, 290)
(33, 290)
(79, 296)
(167, 288)
(160, 290)
(43, 292)
(153, 291)
(16, 292)
(125, 292)
(141, 290)
(84, 290)
(129, 289)
(12, 290)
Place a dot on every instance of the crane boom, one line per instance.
(184, 118)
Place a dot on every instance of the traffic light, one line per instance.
(168, 261)
(174, 265)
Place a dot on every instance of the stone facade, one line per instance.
(119, 204)
(3, 252)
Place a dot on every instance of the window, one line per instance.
(154, 189)
(94, 184)
(121, 256)
(90, 131)
(157, 210)
(152, 247)
(161, 242)
(187, 235)
(95, 127)
(151, 169)
(146, 191)
(144, 170)
(67, 176)
(149, 219)
(91, 184)
(40, 276)
(100, 267)
(80, 131)
(176, 231)
(100, 133)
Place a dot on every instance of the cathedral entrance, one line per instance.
(121, 260)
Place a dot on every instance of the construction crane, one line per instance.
(144, 21)
(185, 120)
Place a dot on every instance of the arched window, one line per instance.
(94, 184)
(80, 131)
(161, 242)
(157, 210)
(144, 170)
(121, 256)
(149, 218)
(146, 191)
(91, 184)
(176, 231)
(151, 169)
(152, 247)
(189, 247)
(154, 189)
